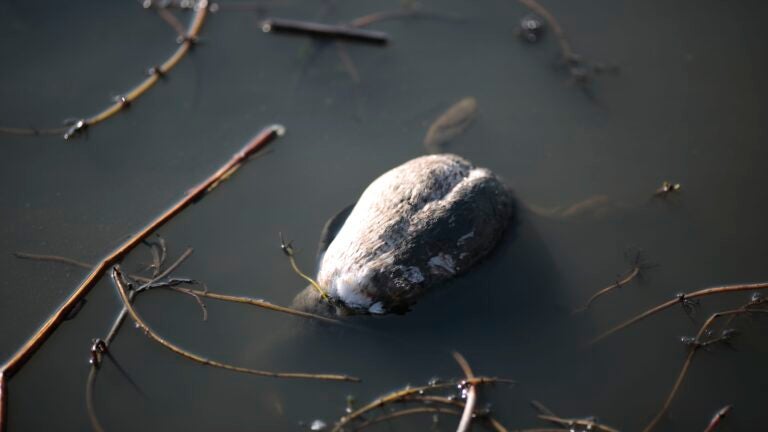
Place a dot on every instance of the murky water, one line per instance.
(689, 106)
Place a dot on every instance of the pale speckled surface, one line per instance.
(404, 234)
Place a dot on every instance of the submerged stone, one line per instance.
(415, 226)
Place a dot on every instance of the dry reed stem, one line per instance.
(469, 408)
(689, 359)
(12, 365)
(188, 39)
(117, 278)
(666, 305)
(618, 284)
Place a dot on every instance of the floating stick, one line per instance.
(469, 408)
(12, 365)
(680, 298)
(324, 30)
(410, 393)
(122, 102)
(638, 266)
(407, 412)
(117, 279)
(201, 293)
(694, 348)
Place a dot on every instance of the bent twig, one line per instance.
(687, 296)
(117, 279)
(469, 408)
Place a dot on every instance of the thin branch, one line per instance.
(469, 408)
(407, 412)
(117, 279)
(172, 21)
(678, 299)
(404, 394)
(695, 346)
(12, 365)
(156, 73)
(53, 258)
(201, 293)
(618, 284)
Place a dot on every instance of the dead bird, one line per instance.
(415, 226)
(450, 124)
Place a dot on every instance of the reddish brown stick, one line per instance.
(28, 349)
(188, 39)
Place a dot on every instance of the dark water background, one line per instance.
(689, 105)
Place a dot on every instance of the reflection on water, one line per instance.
(687, 107)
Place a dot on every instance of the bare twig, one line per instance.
(172, 21)
(117, 278)
(678, 299)
(187, 40)
(52, 258)
(469, 409)
(201, 293)
(12, 365)
(694, 348)
(409, 392)
(618, 284)
(407, 412)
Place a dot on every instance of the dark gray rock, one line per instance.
(417, 225)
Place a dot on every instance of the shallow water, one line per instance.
(688, 106)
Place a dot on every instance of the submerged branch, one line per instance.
(695, 346)
(410, 393)
(679, 299)
(407, 412)
(200, 293)
(618, 284)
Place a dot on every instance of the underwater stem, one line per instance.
(117, 278)
(668, 304)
